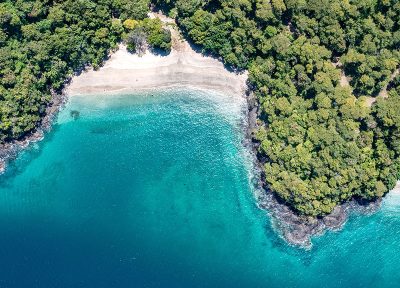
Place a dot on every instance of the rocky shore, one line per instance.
(10, 150)
(298, 230)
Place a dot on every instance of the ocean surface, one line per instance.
(156, 190)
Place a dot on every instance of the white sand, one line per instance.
(396, 189)
(125, 72)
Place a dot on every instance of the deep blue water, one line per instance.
(155, 190)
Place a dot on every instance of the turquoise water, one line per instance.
(155, 190)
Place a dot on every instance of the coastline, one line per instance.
(10, 150)
(298, 230)
(125, 73)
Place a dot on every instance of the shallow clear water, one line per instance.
(155, 190)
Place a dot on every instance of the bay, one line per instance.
(156, 190)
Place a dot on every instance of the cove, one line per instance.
(156, 190)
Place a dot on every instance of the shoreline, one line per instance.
(125, 73)
(299, 231)
(10, 150)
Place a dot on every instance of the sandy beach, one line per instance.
(396, 189)
(125, 72)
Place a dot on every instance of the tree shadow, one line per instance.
(160, 52)
(199, 49)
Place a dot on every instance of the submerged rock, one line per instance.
(75, 114)
(299, 230)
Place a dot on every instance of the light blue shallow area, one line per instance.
(154, 190)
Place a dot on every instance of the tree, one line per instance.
(136, 41)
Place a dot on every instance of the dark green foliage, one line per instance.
(126, 9)
(322, 143)
(228, 32)
(366, 33)
(149, 32)
(387, 133)
(157, 36)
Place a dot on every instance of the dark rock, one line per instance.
(298, 230)
(336, 219)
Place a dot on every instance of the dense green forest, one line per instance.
(323, 142)
(44, 42)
